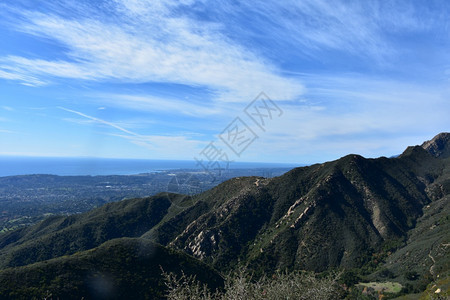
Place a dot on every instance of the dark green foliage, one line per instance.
(119, 269)
(386, 273)
(59, 236)
(350, 277)
(411, 275)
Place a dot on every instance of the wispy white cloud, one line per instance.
(171, 147)
(163, 41)
(150, 43)
(154, 104)
(10, 72)
(362, 29)
(39, 67)
(164, 146)
(100, 121)
(363, 115)
(137, 123)
(80, 121)
(228, 53)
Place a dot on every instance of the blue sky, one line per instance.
(164, 79)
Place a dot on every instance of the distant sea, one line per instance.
(10, 166)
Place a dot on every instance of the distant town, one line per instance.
(28, 199)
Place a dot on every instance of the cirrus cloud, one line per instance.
(147, 44)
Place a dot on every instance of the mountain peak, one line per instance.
(439, 145)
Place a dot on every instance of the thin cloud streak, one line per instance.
(154, 104)
(179, 147)
(10, 72)
(100, 121)
(163, 145)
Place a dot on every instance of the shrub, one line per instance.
(241, 285)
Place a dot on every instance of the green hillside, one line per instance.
(123, 268)
(57, 236)
(381, 220)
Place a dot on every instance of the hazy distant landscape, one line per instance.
(26, 199)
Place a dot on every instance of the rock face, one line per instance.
(439, 145)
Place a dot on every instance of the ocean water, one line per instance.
(10, 166)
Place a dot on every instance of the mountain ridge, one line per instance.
(439, 145)
(338, 214)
